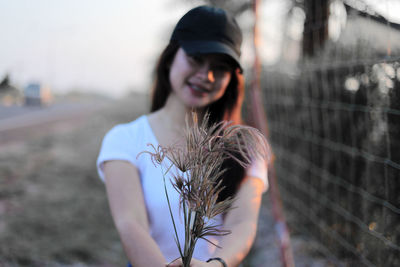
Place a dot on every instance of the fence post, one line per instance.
(260, 121)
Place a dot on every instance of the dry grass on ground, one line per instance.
(53, 210)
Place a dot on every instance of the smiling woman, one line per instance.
(199, 71)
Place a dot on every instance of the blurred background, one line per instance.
(330, 81)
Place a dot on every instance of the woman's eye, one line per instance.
(195, 59)
(222, 68)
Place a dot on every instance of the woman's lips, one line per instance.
(198, 90)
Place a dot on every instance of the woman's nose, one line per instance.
(206, 72)
(210, 75)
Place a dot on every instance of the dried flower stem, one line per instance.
(172, 216)
(199, 183)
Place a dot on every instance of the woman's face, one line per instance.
(199, 81)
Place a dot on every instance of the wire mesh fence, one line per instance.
(334, 123)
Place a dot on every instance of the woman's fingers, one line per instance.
(175, 263)
(197, 263)
(193, 263)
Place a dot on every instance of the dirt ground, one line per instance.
(53, 208)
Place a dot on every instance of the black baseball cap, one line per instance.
(209, 30)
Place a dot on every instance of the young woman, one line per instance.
(199, 70)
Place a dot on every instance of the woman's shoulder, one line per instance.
(123, 142)
(137, 126)
(134, 134)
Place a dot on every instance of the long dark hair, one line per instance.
(228, 107)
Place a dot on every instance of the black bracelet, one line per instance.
(218, 259)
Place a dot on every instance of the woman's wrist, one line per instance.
(216, 261)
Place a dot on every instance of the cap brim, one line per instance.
(209, 47)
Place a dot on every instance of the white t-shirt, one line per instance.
(125, 142)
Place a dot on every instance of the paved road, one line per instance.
(18, 123)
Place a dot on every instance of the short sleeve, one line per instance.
(117, 144)
(259, 169)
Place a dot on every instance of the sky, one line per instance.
(388, 8)
(93, 45)
(109, 47)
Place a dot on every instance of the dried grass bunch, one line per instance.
(200, 162)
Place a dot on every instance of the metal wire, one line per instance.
(329, 144)
(336, 148)
(313, 192)
(313, 217)
(330, 178)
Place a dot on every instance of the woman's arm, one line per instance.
(242, 222)
(128, 210)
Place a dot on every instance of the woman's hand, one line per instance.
(194, 263)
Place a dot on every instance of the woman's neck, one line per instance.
(175, 111)
(169, 122)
